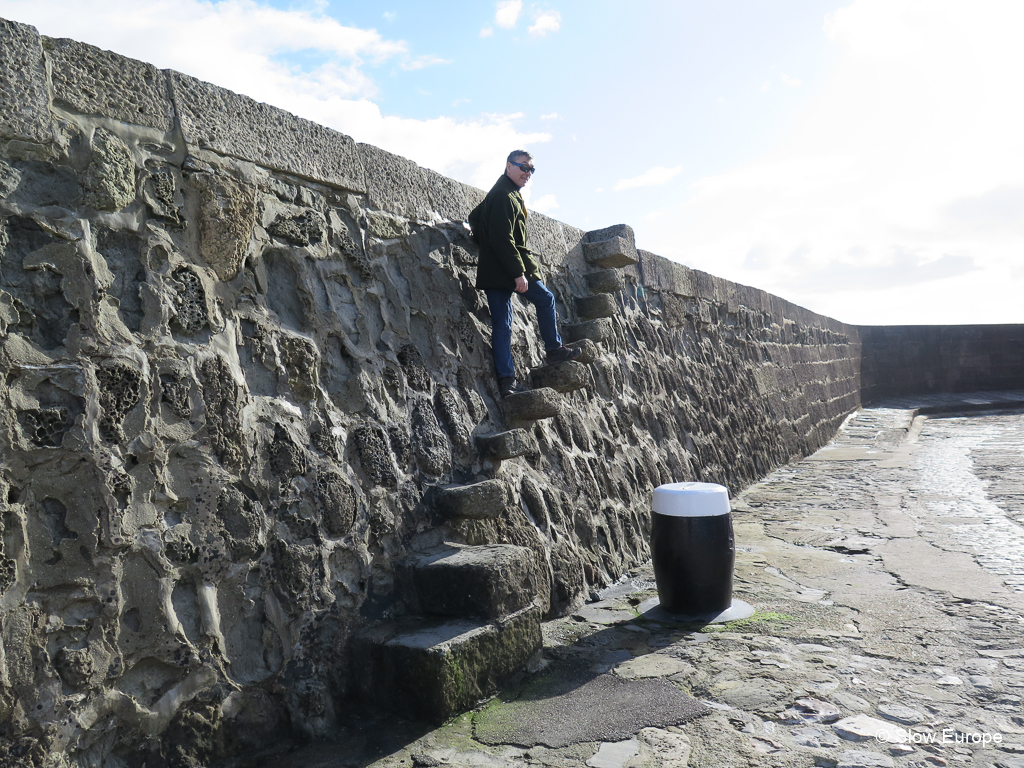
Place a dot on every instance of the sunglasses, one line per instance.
(525, 167)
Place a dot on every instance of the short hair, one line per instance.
(518, 153)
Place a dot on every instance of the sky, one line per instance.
(862, 159)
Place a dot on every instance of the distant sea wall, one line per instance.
(242, 359)
(910, 359)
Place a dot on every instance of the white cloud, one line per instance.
(895, 197)
(789, 82)
(544, 204)
(656, 175)
(550, 116)
(472, 151)
(507, 13)
(545, 22)
(235, 43)
(487, 32)
(243, 45)
(389, 15)
(421, 62)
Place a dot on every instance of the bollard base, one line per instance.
(652, 610)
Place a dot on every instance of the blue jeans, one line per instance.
(500, 304)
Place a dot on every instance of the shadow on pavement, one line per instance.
(573, 698)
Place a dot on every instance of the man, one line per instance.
(507, 266)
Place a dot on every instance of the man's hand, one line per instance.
(521, 284)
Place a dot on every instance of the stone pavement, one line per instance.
(888, 575)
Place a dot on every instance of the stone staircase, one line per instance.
(607, 250)
(473, 611)
(477, 624)
(473, 616)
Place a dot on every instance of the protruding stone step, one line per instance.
(611, 253)
(506, 445)
(588, 350)
(595, 330)
(604, 281)
(430, 670)
(480, 501)
(533, 405)
(490, 581)
(593, 307)
(562, 377)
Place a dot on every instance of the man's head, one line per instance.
(519, 167)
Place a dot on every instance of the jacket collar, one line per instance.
(508, 184)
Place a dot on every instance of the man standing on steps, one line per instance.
(507, 266)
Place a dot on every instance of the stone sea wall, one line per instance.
(911, 359)
(241, 354)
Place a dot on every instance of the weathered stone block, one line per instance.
(338, 502)
(430, 445)
(161, 190)
(227, 215)
(447, 196)
(573, 237)
(674, 310)
(394, 184)
(24, 101)
(506, 445)
(225, 122)
(110, 177)
(432, 670)
(92, 81)
(616, 252)
(710, 287)
(605, 281)
(477, 500)
(533, 405)
(766, 380)
(595, 330)
(306, 228)
(562, 377)
(474, 196)
(615, 230)
(588, 350)
(593, 307)
(662, 274)
(545, 237)
(386, 227)
(486, 582)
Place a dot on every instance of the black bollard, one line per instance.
(693, 550)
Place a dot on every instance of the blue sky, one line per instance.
(862, 158)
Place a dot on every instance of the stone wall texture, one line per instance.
(910, 359)
(241, 354)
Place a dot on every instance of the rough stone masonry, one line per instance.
(245, 378)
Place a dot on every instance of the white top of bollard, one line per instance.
(691, 500)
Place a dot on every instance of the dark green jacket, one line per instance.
(504, 255)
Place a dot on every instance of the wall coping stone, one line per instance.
(230, 124)
(24, 96)
(93, 81)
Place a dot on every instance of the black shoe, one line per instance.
(563, 353)
(511, 386)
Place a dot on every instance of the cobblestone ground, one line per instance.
(887, 571)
